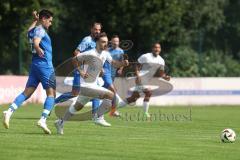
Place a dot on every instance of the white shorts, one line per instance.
(141, 88)
(91, 91)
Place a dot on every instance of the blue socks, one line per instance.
(95, 105)
(64, 97)
(18, 102)
(48, 106)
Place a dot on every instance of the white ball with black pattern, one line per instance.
(228, 135)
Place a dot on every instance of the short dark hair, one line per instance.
(45, 13)
(155, 44)
(96, 23)
(100, 35)
(115, 36)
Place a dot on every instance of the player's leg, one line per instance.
(48, 80)
(117, 98)
(72, 110)
(16, 104)
(31, 86)
(146, 100)
(105, 107)
(99, 93)
(134, 97)
(75, 89)
(95, 106)
(108, 83)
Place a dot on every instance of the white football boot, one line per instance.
(101, 121)
(43, 125)
(6, 119)
(59, 126)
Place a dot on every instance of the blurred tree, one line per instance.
(228, 37)
(183, 27)
(182, 62)
(15, 17)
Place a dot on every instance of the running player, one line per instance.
(148, 65)
(110, 71)
(93, 62)
(86, 44)
(41, 70)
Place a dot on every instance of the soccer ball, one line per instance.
(228, 135)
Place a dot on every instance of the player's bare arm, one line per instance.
(120, 71)
(36, 42)
(76, 62)
(164, 75)
(119, 64)
(35, 20)
(137, 70)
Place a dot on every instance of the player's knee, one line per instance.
(148, 95)
(109, 95)
(112, 88)
(75, 92)
(51, 92)
(134, 97)
(78, 106)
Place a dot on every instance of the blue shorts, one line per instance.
(107, 78)
(45, 76)
(76, 80)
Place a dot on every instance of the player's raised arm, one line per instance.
(35, 20)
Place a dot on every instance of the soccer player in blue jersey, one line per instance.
(41, 70)
(86, 44)
(110, 71)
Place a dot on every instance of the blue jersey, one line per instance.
(45, 45)
(116, 55)
(86, 44)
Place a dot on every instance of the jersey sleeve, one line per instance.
(109, 57)
(39, 32)
(142, 59)
(84, 45)
(162, 65)
(121, 53)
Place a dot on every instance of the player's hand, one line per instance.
(83, 74)
(35, 16)
(167, 78)
(40, 53)
(125, 63)
(120, 72)
(138, 80)
(101, 73)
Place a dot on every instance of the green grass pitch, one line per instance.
(174, 133)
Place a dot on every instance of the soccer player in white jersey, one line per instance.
(93, 61)
(149, 63)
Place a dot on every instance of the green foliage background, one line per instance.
(198, 37)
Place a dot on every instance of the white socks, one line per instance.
(145, 106)
(104, 107)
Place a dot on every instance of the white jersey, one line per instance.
(148, 60)
(150, 64)
(93, 64)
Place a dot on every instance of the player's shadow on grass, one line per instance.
(27, 118)
(21, 133)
